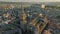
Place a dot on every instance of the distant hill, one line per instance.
(47, 3)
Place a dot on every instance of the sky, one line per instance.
(30, 0)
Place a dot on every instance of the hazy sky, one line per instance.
(41, 0)
(30, 0)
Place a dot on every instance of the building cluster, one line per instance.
(24, 20)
